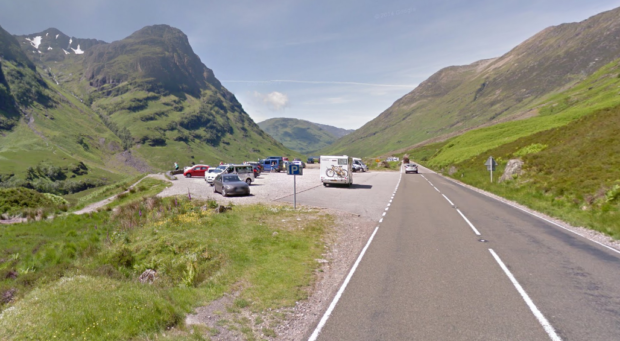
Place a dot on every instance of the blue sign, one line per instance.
(293, 169)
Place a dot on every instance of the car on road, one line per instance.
(211, 174)
(197, 170)
(358, 165)
(411, 168)
(298, 162)
(230, 184)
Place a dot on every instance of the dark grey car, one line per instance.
(230, 184)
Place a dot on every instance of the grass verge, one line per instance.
(76, 277)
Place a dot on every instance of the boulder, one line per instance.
(512, 170)
(148, 276)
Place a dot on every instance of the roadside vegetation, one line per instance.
(77, 277)
(571, 167)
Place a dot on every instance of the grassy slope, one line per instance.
(241, 145)
(52, 137)
(490, 91)
(570, 154)
(598, 91)
(299, 135)
(76, 277)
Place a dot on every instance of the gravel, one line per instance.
(268, 187)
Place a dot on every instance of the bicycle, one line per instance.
(336, 171)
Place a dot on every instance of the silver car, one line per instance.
(411, 168)
(211, 174)
(230, 184)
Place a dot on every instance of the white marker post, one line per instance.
(294, 170)
(491, 164)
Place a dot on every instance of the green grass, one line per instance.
(571, 172)
(14, 201)
(599, 91)
(146, 188)
(570, 154)
(76, 277)
(81, 199)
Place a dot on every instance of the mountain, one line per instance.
(135, 105)
(53, 45)
(491, 91)
(302, 136)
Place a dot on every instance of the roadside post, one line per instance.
(491, 164)
(294, 170)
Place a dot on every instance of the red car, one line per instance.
(197, 170)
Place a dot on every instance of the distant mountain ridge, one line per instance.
(134, 105)
(510, 87)
(301, 135)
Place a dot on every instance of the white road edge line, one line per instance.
(477, 190)
(436, 189)
(448, 199)
(331, 307)
(468, 222)
(381, 220)
(537, 313)
(558, 225)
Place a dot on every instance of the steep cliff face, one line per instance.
(458, 98)
(159, 56)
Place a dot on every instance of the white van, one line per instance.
(358, 165)
(245, 172)
(336, 170)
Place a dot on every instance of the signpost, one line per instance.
(294, 170)
(491, 164)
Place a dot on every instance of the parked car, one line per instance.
(211, 174)
(197, 170)
(358, 165)
(244, 172)
(310, 160)
(273, 164)
(297, 161)
(258, 168)
(411, 168)
(230, 184)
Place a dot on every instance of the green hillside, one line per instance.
(48, 140)
(488, 92)
(131, 106)
(570, 153)
(302, 136)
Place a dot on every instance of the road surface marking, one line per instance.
(448, 199)
(477, 190)
(384, 213)
(387, 208)
(468, 222)
(381, 220)
(331, 307)
(436, 189)
(389, 205)
(539, 316)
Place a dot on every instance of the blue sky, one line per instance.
(336, 62)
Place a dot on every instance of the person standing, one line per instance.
(176, 166)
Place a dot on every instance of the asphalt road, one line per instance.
(428, 275)
(366, 197)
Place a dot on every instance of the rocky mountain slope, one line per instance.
(487, 92)
(143, 103)
(302, 136)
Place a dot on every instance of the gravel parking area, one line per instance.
(267, 187)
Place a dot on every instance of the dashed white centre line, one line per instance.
(468, 222)
(537, 313)
(448, 199)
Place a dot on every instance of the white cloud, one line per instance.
(274, 100)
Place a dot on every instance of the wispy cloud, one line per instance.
(408, 86)
(274, 100)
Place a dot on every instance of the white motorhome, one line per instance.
(336, 170)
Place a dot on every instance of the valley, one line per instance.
(101, 238)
